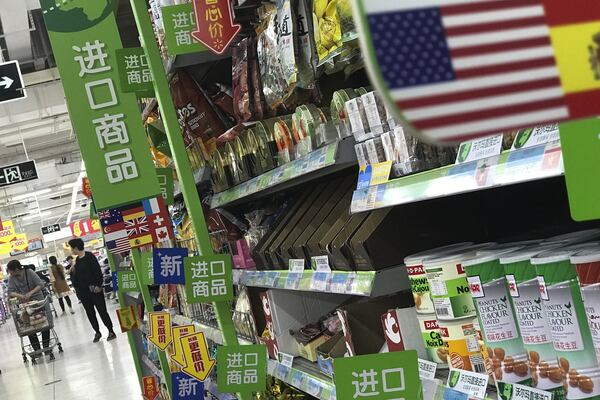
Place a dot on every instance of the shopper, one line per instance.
(26, 285)
(86, 277)
(61, 287)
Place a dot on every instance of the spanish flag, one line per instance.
(575, 36)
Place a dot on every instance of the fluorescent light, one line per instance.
(37, 215)
(69, 185)
(32, 194)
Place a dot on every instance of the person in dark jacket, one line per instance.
(86, 277)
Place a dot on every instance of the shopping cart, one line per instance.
(32, 318)
(49, 290)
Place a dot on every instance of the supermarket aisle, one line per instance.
(86, 370)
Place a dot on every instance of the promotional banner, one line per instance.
(127, 281)
(85, 227)
(7, 234)
(134, 72)
(179, 22)
(84, 38)
(243, 369)
(214, 24)
(198, 362)
(178, 332)
(127, 319)
(168, 266)
(165, 180)
(160, 329)
(150, 389)
(460, 69)
(186, 387)
(20, 243)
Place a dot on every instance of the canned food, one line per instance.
(460, 339)
(530, 314)
(497, 318)
(432, 339)
(418, 278)
(283, 138)
(566, 314)
(487, 359)
(448, 284)
(587, 265)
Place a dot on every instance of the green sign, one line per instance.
(208, 278)
(147, 268)
(107, 122)
(165, 180)
(580, 142)
(127, 281)
(242, 369)
(134, 72)
(179, 22)
(381, 376)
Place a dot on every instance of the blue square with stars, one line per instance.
(411, 47)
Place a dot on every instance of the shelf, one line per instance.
(195, 59)
(210, 333)
(327, 160)
(304, 376)
(357, 283)
(155, 370)
(508, 168)
(201, 176)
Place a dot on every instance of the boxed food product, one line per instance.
(460, 338)
(340, 252)
(333, 348)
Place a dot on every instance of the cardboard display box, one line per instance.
(335, 347)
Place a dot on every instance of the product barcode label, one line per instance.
(445, 312)
(479, 368)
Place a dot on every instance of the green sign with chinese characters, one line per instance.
(107, 122)
(381, 376)
(208, 278)
(580, 142)
(165, 180)
(147, 268)
(242, 369)
(134, 72)
(179, 22)
(127, 281)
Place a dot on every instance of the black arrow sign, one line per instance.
(11, 82)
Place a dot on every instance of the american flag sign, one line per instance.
(460, 69)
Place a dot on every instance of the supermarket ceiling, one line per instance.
(37, 127)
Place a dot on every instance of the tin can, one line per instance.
(460, 339)
(587, 265)
(567, 319)
(418, 277)
(448, 284)
(497, 318)
(437, 351)
(530, 314)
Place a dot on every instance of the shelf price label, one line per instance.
(383, 376)
(513, 391)
(468, 382)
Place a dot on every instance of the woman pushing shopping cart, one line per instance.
(31, 312)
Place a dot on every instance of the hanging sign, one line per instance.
(11, 82)
(214, 24)
(168, 266)
(198, 363)
(242, 369)
(580, 142)
(160, 329)
(20, 243)
(165, 180)
(474, 76)
(382, 376)
(134, 72)
(136, 225)
(7, 234)
(50, 229)
(178, 332)
(127, 319)
(391, 328)
(179, 22)
(208, 278)
(5, 248)
(86, 188)
(85, 227)
(150, 387)
(84, 38)
(17, 173)
(186, 387)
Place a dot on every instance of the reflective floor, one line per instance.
(86, 370)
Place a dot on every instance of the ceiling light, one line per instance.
(37, 215)
(28, 195)
(69, 185)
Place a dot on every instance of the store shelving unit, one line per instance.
(210, 333)
(304, 376)
(357, 283)
(322, 162)
(508, 168)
